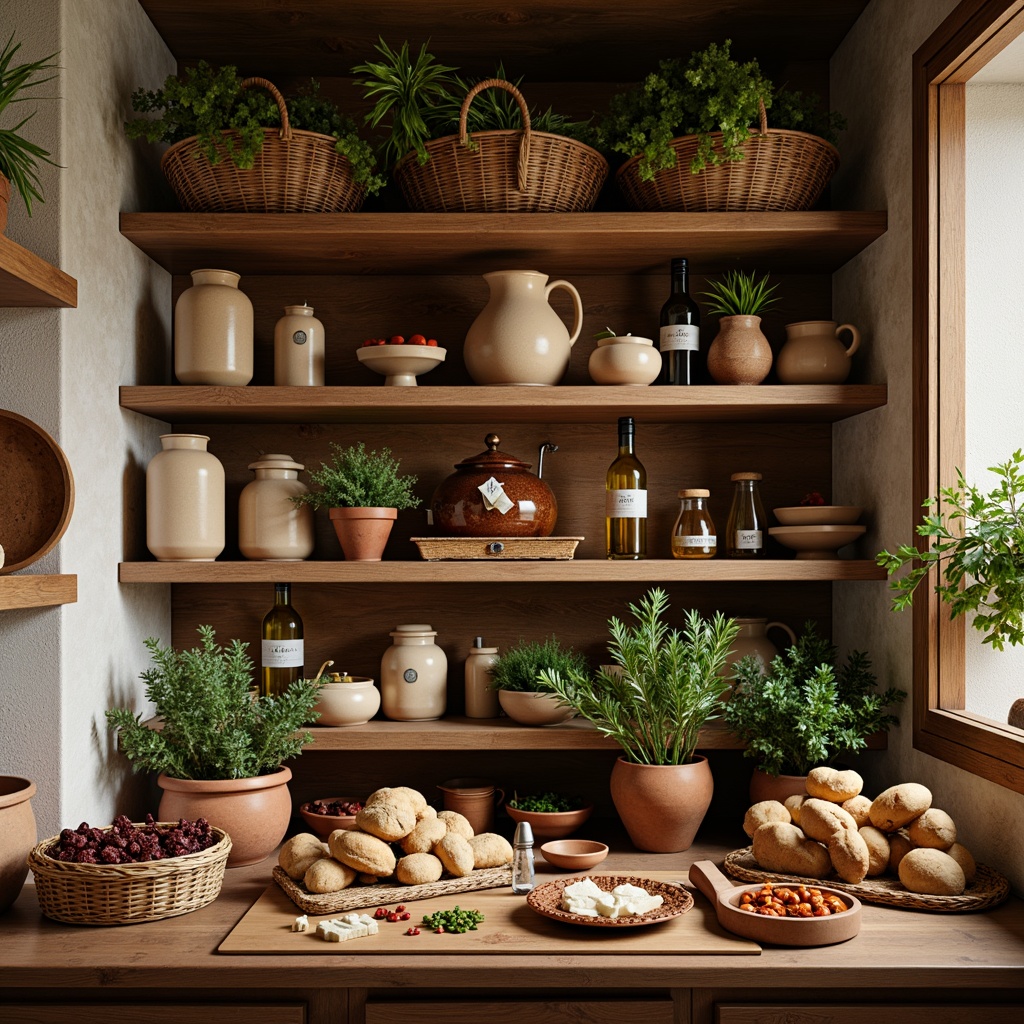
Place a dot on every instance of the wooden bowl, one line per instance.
(818, 515)
(574, 854)
(816, 541)
(551, 824)
(324, 824)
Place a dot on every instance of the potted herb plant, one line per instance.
(740, 353)
(666, 687)
(20, 158)
(219, 749)
(363, 492)
(805, 709)
(516, 675)
(238, 145)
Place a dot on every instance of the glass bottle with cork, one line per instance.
(693, 535)
(281, 650)
(746, 533)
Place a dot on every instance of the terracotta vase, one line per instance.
(298, 348)
(363, 532)
(271, 526)
(776, 787)
(17, 835)
(662, 806)
(254, 812)
(813, 353)
(740, 353)
(213, 331)
(184, 501)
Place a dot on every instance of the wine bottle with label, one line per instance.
(626, 499)
(281, 651)
(679, 339)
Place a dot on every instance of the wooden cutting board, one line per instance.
(509, 926)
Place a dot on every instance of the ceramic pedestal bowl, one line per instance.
(816, 541)
(324, 824)
(551, 824)
(401, 364)
(574, 854)
(818, 515)
(625, 360)
(533, 708)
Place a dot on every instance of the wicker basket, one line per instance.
(780, 170)
(511, 171)
(127, 893)
(294, 172)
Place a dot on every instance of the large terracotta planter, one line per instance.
(254, 812)
(17, 835)
(776, 787)
(740, 353)
(662, 806)
(363, 532)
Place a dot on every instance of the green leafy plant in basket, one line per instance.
(357, 478)
(740, 294)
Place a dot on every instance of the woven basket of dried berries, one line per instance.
(129, 872)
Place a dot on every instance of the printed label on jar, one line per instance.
(282, 653)
(679, 337)
(630, 504)
(749, 540)
(696, 541)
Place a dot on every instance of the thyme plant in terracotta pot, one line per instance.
(740, 353)
(667, 685)
(219, 749)
(363, 492)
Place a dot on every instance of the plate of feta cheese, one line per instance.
(615, 901)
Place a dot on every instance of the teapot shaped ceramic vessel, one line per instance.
(495, 495)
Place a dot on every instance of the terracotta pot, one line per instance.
(254, 812)
(17, 835)
(474, 799)
(813, 353)
(213, 331)
(740, 353)
(776, 787)
(5, 199)
(363, 532)
(662, 806)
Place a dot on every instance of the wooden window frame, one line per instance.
(974, 33)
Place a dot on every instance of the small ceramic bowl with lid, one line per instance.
(346, 700)
(625, 359)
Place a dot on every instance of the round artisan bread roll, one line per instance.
(427, 812)
(933, 829)
(418, 869)
(298, 853)
(965, 859)
(821, 819)
(414, 796)
(389, 819)
(859, 808)
(456, 823)
(328, 875)
(427, 832)
(761, 813)
(932, 873)
(490, 850)
(793, 804)
(829, 784)
(878, 849)
(899, 846)
(899, 805)
(455, 854)
(365, 853)
(783, 848)
(849, 854)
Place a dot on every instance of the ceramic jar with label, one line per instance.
(185, 501)
(213, 331)
(481, 700)
(413, 676)
(298, 348)
(271, 526)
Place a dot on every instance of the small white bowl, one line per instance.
(625, 360)
(351, 703)
(533, 708)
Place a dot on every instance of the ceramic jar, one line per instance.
(298, 348)
(518, 338)
(270, 526)
(414, 676)
(474, 799)
(752, 638)
(625, 360)
(347, 700)
(813, 353)
(184, 501)
(481, 700)
(740, 353)
(213, 331)
(17, 835)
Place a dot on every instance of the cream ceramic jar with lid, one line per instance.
(414, 675)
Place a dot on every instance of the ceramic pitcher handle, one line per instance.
(577, 305)
(499, 796)
(855, 344)
(784, 628)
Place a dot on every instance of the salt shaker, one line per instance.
(522, 859)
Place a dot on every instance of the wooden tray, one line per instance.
(988, 889)
(39, 492)
(434, 549)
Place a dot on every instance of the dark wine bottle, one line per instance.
(282, 654)
(626, 499)
(679, 339)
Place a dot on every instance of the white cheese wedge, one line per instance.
(348, 926)
(587, 899)
(580, 897)
(300, 924)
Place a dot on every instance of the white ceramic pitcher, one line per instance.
(518, 338)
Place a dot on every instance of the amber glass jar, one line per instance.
(693, 535)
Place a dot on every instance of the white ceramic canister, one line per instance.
(298, 348)
(413, 676)
(213, 331)
(481, 700)
(185, 501)
(271, 526)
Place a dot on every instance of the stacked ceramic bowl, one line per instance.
(817, 531)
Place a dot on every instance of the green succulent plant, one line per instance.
(740, 294)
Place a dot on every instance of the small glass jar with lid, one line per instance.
(746, 533)
(693, 535)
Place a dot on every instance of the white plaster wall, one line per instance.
(871, 84)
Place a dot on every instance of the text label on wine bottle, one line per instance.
(680, 338)
(282, 653)
(749, 540)
(625, 504)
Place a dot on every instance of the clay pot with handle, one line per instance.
(813, 353)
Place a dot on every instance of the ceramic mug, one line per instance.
(474, 799)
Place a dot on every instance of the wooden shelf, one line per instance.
(37, 591)
(27, 280)
(793, 403)
(715, 570)
(473, 243)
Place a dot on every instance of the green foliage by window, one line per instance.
(978, 547)
(213, 726)
(519, 667)
(740, 294)
(806, 709)
(357, 478)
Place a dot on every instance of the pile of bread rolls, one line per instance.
(834, 828)
(397, 837)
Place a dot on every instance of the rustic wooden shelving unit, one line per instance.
(28, 280)
(40, 591)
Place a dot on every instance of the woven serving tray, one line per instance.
(988, 889)
(362, 896)
(439, 548)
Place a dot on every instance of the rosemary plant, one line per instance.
(740, 294)
(357, 478)
(669, 684)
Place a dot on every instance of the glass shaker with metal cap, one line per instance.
(522, 859)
